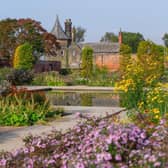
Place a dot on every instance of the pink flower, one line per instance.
(80, 165)
(78, 115)
(157, 164)
(2, 162)
(118, 157)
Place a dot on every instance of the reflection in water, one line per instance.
(84, 99)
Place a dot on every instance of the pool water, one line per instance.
(76, 98)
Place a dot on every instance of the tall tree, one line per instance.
(7, 37)
(109, 37)
(132, 39)
(16, 32)
(80, 34)
(165, 39)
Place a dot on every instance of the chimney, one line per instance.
(74, 35)
(68, 28)
(120, 37)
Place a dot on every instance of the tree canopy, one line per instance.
(132, 39)
(109, 37)
(14, 32)
(128, 38)
(165, 39)
(80, 34)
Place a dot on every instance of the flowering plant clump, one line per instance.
(131, 85)
(95, 143)
(155, 105)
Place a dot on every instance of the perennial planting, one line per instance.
(95, 143)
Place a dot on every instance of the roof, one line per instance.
(58, 31)
(102, 47)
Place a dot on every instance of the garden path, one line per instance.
(11, 138)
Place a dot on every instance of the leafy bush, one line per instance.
(4, 72)
(5, 88)
(21, 107)
(48, 79)
(20, 77)
(65, 72)
(96, 143)
(23, 57)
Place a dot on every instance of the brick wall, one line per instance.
(111, 61)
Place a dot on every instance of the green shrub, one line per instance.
(5, 87)
(23, 57)
(65, 72)
(4, 72)
(20, 77)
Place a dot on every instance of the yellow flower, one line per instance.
(157, 117)
(140, 104)
(156, 111)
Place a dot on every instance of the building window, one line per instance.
(62, 53)
(73, 53)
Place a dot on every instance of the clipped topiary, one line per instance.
(87, 62)
(23, 57)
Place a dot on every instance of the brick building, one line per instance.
(105, 53)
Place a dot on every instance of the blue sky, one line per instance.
(149, 17)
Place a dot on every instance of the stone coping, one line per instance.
(68, 88)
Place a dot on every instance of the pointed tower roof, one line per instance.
(58, 31)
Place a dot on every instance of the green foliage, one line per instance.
(20, 77)
(102, 77)
(165, 39)
(7, 37)
(23, 108)
(5, 87)
(48, 79)
(86, 99)
(145, 71)
(140, 83)
(65, 71)
(151, 59)
(109, 37)
(14, 32)
(4, 72)
(23, 58)
(87, 62)
(132, 40)
(125, 57)
(80, 34)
